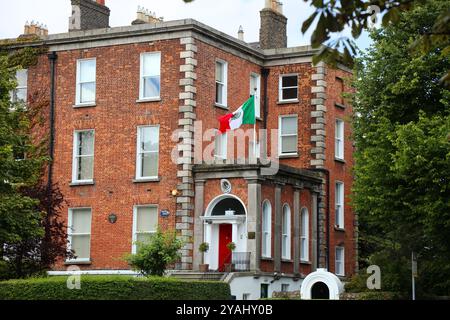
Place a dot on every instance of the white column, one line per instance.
(208, 254)
(234, 235)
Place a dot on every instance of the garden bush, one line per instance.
(113, 288)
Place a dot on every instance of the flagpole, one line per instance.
(254, 125)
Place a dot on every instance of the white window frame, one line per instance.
(339, 261)
(75, 157)
(224, 83)
(134, 235)
(257, 93)
(339, 139)
(286, 237)
(79, 83)
(70, 234)
(280, 135)
(280, 87)
(142, 75)
(339, 204)
(304, 235)
(285, 287)
(13, 93)
(266, 225)
(223, 140)
(139, 153)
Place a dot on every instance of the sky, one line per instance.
(224, 15)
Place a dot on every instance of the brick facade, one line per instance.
(188, 95)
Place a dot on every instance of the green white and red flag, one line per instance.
(245, 114)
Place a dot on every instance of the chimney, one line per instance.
(273, 26)
(145, 16)
(89, 14)
(241, 33)
(34, 29)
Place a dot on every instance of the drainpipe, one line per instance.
(265, 74)
(52, 57)
(327, 218)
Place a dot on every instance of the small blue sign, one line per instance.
(164, 213)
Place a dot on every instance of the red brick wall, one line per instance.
(303, 109)
(116, 115)
(340, 171)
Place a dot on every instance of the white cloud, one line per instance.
(224, 15)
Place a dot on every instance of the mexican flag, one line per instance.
(245, 114)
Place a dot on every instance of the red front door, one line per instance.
(225, 237)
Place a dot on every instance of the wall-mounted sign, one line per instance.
(112, 218)
(251, 235)
(164, 213)
(225, 185)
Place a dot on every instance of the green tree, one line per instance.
(31, 235)
(153, 257)
(402, 159)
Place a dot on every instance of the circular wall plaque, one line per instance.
(112, 218)
(225, 185)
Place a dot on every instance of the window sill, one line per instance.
(84, 105)
(267, 258)
(339, 160)
(144, 100)
(286, 260)
(78, 262)
(288, 101)
(288, 155)
(336, 228)
(305, 262)
(81, 183)
(221, 106)
(339, 105)
(144, 180)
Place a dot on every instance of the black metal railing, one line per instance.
(240, 261)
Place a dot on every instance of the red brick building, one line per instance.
(135, 114)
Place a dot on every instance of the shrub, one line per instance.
(153, 257)
(203, 247)
(114, 288)
(357, 283)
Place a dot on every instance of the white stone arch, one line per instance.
(217, 199)
(335, 286)
(212, 229)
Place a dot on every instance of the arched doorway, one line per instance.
(224, 222)
(320, 291)
(321, 284)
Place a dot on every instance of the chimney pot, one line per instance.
(241, 33)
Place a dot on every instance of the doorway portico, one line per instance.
(224, 222)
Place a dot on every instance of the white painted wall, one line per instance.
(249, 285)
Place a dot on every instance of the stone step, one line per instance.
(186, 275)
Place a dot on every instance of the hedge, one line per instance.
(113, 288)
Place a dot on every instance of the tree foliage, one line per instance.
(153, 257)
(402, 159)
(31, 236)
